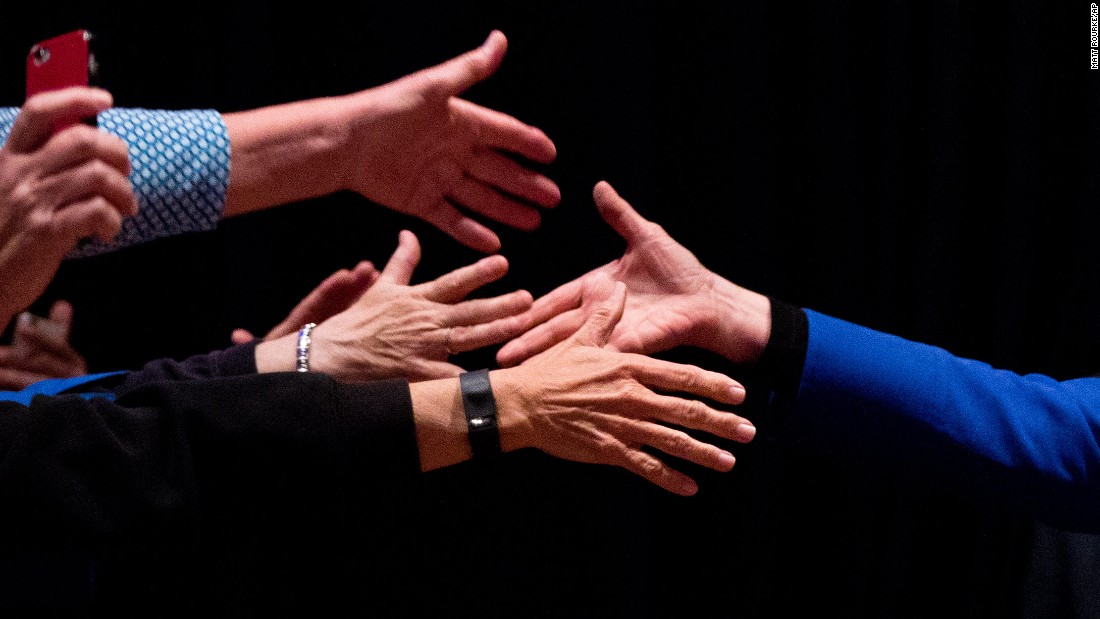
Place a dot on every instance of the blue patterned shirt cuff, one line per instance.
(180, 171)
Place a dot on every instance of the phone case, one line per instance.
(62, 61)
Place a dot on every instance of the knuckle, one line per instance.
(40, 221)
(686, 378)
(693, 411)
(654, 228)
(649, 466)
(23, 195)
(624, 390)
(678, 444)
(83, 143)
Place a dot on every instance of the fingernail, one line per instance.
(25, 318)
(737, 391)
(747, 431)
(726, 460)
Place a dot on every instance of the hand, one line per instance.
(581, 401)
(397, 330)
(420, 150)
(674, 300)
(56, 189)
(40, 349)
(332, 296)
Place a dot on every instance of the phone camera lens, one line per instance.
(40, 54)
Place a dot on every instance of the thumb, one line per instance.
(460, 73)
(399, 268)
(618, 213)
(61, 313)
(241, 336)
(600, 323)
(35, 122)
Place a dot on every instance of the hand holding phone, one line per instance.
(60, 62)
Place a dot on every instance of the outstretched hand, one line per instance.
(674, 300)
(581, 401)
(333, 295)
(398, 330)
(419, 149)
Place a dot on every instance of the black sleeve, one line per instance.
(785, 354)
(238, 360)
(169, 452)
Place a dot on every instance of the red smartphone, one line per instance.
(63, 61)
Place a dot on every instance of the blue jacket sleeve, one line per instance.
(1028, 440)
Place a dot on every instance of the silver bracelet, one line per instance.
(304, 340)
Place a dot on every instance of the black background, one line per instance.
(923, 168)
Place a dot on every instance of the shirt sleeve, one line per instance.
(1028, 441)
(97, 470)
(239, 360)
(180, 171)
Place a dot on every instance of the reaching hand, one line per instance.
(584, 402)
(397, 330)
(420, 150)
(332, 296)
(674, 300)
(56, 189)
(40, 349)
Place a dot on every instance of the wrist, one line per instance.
(277, 355)
(738, 324)
(512, 407)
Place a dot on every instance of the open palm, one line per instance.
(422, 151)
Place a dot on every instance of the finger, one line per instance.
(94, 178)
(682, 378)
(540, 338)
(654, 470)
(618, 213)
(313, 305)
(688, 413)
(241, 336)
(333, 295)
(503, 132)
(462, 228)
(556, 307)
(403, 262)
(479, 311)
(81, 143)
(671, 441)
(13, 379)
(503, 173)
(35, 122)
(601, 321)
(456, 285)
(43, 354)
(94, 217)
(561, 299)
(364, 275)
(461, 72)
(472, 337)
(40, 332)
(61, 313)
(496, 206)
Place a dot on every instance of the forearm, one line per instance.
(285, 153)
